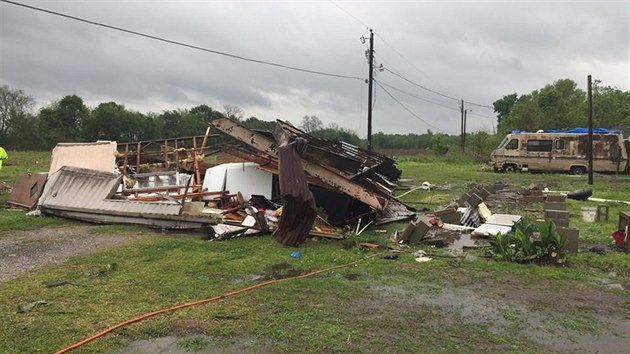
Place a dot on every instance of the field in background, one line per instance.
(446, 305)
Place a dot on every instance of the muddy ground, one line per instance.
(25, 251)
(553, 315)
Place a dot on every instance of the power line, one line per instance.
(349, 14)
(418, 97)
(161, 39)
(406, 59)
(435, 92)
(420, 86)
(481, 115)
(407, 109)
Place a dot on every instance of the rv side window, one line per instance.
(559, 144)
(539, 145)
(512, 145)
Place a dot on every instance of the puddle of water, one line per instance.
(465, 240)
(540, 327)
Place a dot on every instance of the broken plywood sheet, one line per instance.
(98, 156)
(27, 190)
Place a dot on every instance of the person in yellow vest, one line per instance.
(3, 156)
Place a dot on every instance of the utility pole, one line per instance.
(464, 146)
(461, 126)
(370, 82)
(590, 130)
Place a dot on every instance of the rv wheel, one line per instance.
(578, 170)
(509, 168)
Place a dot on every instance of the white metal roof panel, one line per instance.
(99, 156)
(80, 189)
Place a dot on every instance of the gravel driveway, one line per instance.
(24, 251)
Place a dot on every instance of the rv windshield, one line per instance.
(502, 142)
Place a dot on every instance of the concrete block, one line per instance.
(449, 215)
(557, 214)
(533, 198)
(421, 229)
(474, 200)
(560, 222)
(408, 231)
(483, 193)
(415, 231)
(555, 205)
(462, 200)
(556, 198)
(571, 236)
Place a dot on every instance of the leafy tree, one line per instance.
(438, 145)
(337, 133)
(503, 106)
(255, 123)
(479, 145)
(611, 107)
(15, 106)
(25, 134)
(311, 124)
(112, 121)
(62, 121)
(561, 105)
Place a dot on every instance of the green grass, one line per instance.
(372, 306)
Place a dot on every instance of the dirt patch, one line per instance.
(198, 344)
(281, 270)
(24, 251)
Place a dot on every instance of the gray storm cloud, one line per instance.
(478, 51)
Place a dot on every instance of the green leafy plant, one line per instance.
(531, 241)
(502, 247)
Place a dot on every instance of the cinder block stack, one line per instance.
(556, 211)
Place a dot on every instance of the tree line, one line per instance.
(561, 105)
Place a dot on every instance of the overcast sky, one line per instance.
(475, 50)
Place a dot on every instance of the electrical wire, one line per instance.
(419, 97)
(349, 14)
(407, 109)
(165, 40)
(406, 59)
(420, 86)
(433, 91)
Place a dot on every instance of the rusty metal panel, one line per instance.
(27, 190)
(298, 212)
(79, 189)
(99, 156)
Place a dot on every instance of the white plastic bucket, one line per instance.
(589, 214)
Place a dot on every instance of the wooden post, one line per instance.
(138, 148)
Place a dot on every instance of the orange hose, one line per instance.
(212, 299)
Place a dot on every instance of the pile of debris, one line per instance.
(289, 183)
(469, 214)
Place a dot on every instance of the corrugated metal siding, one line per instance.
(73, 188)
(99, 156)
(298, 213)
